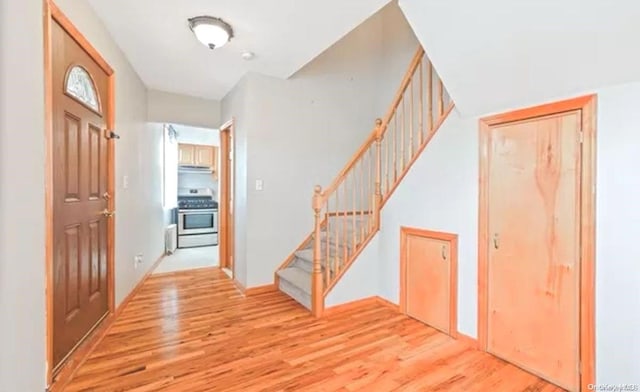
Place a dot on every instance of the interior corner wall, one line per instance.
(301, 132)
(22, 179)
(617, 232)
(399, 45)
(164, 107)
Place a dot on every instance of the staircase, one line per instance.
(347, 212)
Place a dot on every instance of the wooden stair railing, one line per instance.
(347, 212)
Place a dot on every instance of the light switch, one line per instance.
(125, 182)
(259, 185)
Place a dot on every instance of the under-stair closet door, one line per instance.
(534, 245)
(428, 267)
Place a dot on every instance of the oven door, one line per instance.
(197, 222)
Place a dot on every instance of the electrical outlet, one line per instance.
(259, 185)
(125, 181)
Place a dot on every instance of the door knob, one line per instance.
(107, 213)
(496, 240)
(444, 252)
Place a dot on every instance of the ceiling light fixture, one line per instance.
(212, 32)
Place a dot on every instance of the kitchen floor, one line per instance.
(189, 258)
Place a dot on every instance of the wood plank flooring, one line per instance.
(192, 331)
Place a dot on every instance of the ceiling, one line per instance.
(284, 35)
(495, 55)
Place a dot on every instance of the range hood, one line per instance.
(195, 169)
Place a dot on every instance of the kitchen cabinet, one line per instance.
(186, 154)
(205, 156)
(198, 155)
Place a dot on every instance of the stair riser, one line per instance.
(303, 264)
(294, 292)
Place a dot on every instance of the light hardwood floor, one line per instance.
(193, 331)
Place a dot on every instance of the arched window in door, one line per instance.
(80, 86)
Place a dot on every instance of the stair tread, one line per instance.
(298, 277)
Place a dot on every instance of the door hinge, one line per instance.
(581, 136)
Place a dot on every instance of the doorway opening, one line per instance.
(536, 240)
(227, 198)
(191, 197)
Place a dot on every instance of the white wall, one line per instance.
(196, 135)
(166, 107)
(399, 45)
(291, 128)
(22, 162)
(22, 300)
(496, 54)
(362, 279)
(617, 233)
(199, 180)
(170, 172)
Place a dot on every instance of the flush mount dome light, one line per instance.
(212, 32)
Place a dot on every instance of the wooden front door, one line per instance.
(428, 287)
(80, 198)
(533, 271)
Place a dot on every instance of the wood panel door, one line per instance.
(80, 89)
(533, 271)
(428, 283)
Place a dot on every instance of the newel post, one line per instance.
(317, 289)
(377, 201)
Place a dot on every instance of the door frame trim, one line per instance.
(587, 106)
(405, 232)
(227, 191)
(51, 14)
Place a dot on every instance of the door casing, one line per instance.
(452, 239)
(227, 189)
(53, 14)
(587, 106)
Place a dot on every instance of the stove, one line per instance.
(196, 203)
(197, 218)
(196, 199)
